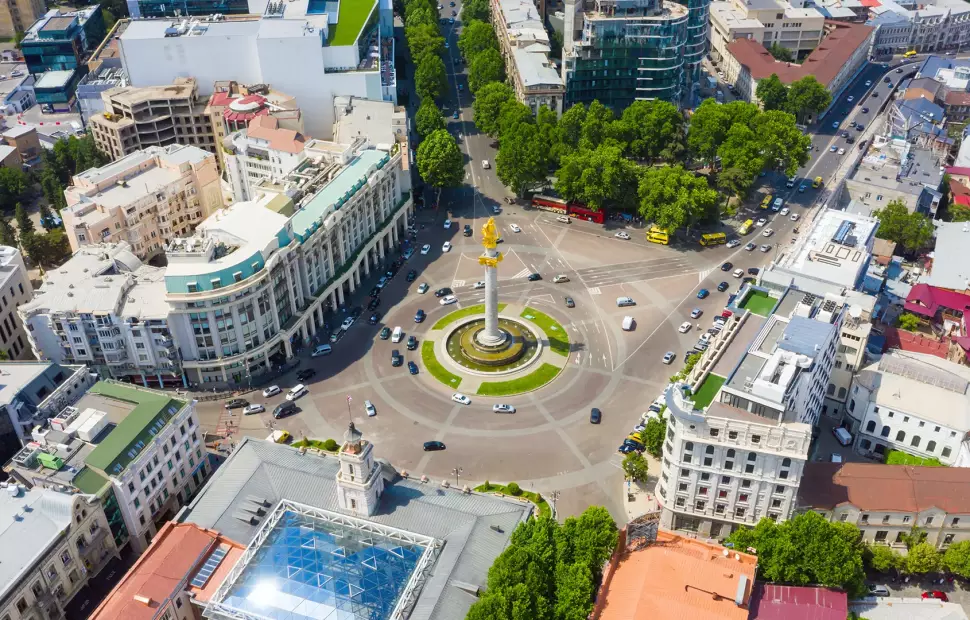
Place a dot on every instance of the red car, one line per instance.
(937, 594)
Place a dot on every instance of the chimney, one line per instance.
(144, 600)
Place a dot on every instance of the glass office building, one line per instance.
(698, 24)
(168, 8)
(628, 50)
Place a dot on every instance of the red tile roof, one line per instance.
(870, 4)
(771, 602)
(879, 487)
(163, 571)
(926, 300)
(956, 97)
(676, 578)
(961, 170)
(918, 343)
(824, 62)
(268, 128)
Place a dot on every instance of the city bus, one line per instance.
(658, 235)
(713, 239)
(572, 209)
(746, 227)
(817, 183)
(766, 202)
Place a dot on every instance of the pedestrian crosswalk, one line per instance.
(458, 284)
(522, 273)
(703, 274)
(594, 290)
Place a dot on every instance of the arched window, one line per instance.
(871, 426)
(689, 446)
(842, 392)
(901, 436)
(885, 431)
(786, 463)
(915, 442)
(830, 390)
(752, 456)
(931, 446)
(730, 453)
(710, 450)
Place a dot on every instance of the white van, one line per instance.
(397, 334)
(625, 301)
(297, 391)
(843, 436)
(628, 323)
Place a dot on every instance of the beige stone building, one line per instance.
(25, 140)
(887, 501)
(146, 198)
(136, 118)
(767, 22)
(19, 15)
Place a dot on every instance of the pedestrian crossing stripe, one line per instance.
(458, 284)
(594, 291)
(701, 276)
(522, 273)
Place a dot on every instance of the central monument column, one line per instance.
(491, 336)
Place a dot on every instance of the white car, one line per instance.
(868, 83)
(841, 151)
(669, 357)
(622, 235)
(850, 99)
(447, 224)
(766, 247)
(515, 228)
(750, 247)
(784, 211)
(738, 273)
(423, 288)
(560, 279)
(272, 390)
(761, 222)
(733, 243)
(251, 409)
(296, 391)
(461, 399)
(496, 210)
(767, 232)
(684, 327)
(503, 409)
(348, 323)
(446, 247)
(485, 164)
(369, 408)
(794, 217)
(478, 285)
(563, 218)
(425, 248)
(448, 299)
(695, 313)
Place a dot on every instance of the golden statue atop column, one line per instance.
(491, 336)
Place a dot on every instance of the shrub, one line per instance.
(331, 445)
(514, 489)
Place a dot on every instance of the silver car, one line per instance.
(503, 409)
(272, 390)
(255, 408)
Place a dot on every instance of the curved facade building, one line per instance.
(698, 23)
(627, 50)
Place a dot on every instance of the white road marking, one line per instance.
(521, 274)
(594, 291)
(701, 275)
(457, 284)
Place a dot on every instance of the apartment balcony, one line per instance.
(166, 343)
(45, 606)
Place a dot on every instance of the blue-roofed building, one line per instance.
(317, 548)
(312, 236)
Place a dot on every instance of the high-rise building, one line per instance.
(146, 199)
(618, 51)
(264, 151)
(698, 40)
(15, 290)
(18, 15)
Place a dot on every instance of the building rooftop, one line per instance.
(927, 300)
(890, 488)
(922, 385)
(17, 131)
(835, 251)
(381, 122)
(54, 79)
(55, 21)
(950, 268)
(101, 279)
(152, 411)
(268, 129)
(529, 42)
(825, 61)
(897, 608)
(178, 552)
(14, 376)
(677, 577)
(771, 602)
(31, 522)
(473, 528)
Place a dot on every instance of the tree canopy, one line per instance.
(549, 571)
(439, 161)
(807, 96)
(598, 178)
(428, 118)
(430, 79)
(476, 37)
(13, 184)
(672, 197)
(489, 100)
(780, 52)
(883, 558)
(654, 434)
(956, 558)
(523, 159)
(911, 230)
(922, 558)
(486, 66)
(635, 467)
(476, 10)
(806, 550)
(655, 130)
(772, 93)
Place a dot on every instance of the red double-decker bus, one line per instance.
(573, 209)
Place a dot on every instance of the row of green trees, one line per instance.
(803, 98)
(549, 571)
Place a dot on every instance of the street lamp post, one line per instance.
(457, 472)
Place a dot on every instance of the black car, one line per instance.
(467, 231)
(412, 343)
(419, 316)
(723, 286)
(412, 275)
(396, 358)
(569, 302)
(860, 127)
(595, 416)
(433, 446)
(236, 403)
(865, 110)
(373, 303)
(412, 368)
(753, 271)
(385, 333)
(356, 311)
(374, 292)
(441, 292)
(284, 409)
(850, 140)
(727, 266)
(845, 134)
(534, 276)
(305, 374)
(874, 95)
(374, 318)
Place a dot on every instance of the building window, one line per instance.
(885, 431)
(948, 539)
(865, 518)
(756, 439)
(700, 505)
(915, 442)
(871, 426)
(931, 446)
(901, 436)
(714, 432)
(945, 453)
(881, 535)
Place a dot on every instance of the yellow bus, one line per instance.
(909, 54)
(658, 235)
(766, 202)
(746, 227)
(817, 183)
(713, 239)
